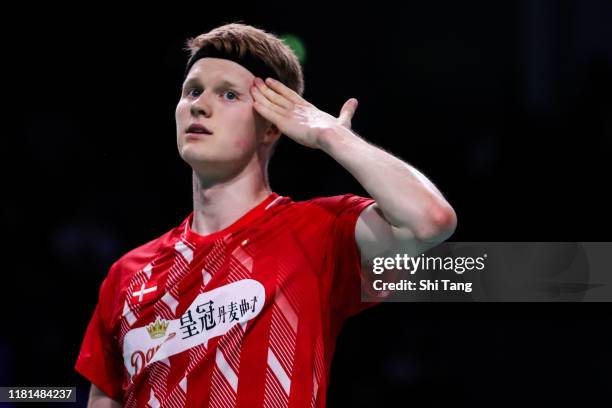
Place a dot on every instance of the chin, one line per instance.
(190, 149)
(208, 158)
(199, 158)
(195, 159)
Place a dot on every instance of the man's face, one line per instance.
(216, 94)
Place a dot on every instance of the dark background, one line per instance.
(506, 106)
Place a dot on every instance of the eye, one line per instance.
(231, 95)
(192, 92)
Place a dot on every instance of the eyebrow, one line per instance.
(223, 83)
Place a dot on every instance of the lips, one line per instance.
(198, 128)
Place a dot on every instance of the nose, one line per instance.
(201, 105)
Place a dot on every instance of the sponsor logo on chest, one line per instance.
(211, 314)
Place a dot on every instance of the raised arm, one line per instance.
(410, 214)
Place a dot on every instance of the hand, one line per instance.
(294, 116)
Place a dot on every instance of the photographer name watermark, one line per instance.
(423, 285)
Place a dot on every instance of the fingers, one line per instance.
(263, 100)
(347, 112)
(267, 109)
(273, 96)
(284, 90)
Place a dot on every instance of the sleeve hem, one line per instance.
(350, 263)
(85, 370)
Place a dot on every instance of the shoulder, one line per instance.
(335, 205)
(324, 212)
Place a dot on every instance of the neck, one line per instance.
(217, 205)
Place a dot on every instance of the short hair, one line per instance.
(263, 45)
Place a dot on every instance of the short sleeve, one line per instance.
(99, 359)
(343, 255)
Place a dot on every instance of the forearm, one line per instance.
(405, 196)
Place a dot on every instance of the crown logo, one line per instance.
(158, 328)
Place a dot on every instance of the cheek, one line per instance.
(242, 144)
(181, 109)
(249, 131)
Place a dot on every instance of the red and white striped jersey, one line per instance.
(247, 316)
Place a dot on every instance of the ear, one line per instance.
(272, 134)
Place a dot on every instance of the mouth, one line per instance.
(197, 129)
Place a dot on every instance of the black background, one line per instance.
(505, 106)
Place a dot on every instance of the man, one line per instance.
(241, 304)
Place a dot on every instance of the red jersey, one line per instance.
(247, 316)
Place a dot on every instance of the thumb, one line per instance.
(347, 112)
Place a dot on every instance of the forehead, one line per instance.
(214, 69)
